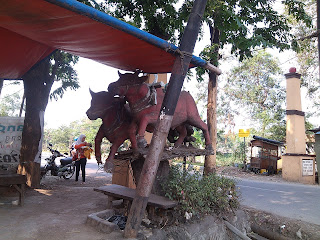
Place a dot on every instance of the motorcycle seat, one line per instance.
(65, 161)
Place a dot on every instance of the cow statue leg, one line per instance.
(201, 125)
(108, 165)
(97, 144)
(132, 135)
(182, 134)
(195, 120)
(141, 141)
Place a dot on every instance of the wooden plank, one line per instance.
(118, 191)
(168, 153)
(11, 179)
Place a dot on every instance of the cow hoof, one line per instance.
(142, 143)
(108, 166)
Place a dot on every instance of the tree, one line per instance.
(159, 18)
(63, 137)
(10, 105)
(37, 86)
(255, 88)
(308, 56)
(245, 25)
(38, 82)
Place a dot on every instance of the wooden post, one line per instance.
(179, 70)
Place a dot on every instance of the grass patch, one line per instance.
(199, 194)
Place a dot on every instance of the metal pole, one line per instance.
(151, 163)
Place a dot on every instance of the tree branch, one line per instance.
(315, 34)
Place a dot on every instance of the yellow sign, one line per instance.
(244, 132)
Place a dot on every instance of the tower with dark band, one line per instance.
(297, 165)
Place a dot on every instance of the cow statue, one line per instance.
(116, 120)
(145, 104)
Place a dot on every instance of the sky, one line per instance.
(74, 104)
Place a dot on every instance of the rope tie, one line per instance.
(182, 54)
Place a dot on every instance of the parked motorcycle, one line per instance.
(65, 170)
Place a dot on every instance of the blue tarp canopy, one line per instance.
(32, 29)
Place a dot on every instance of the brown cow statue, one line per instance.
(116, 120)
(145, 104)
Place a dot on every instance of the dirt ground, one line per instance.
(59, 208)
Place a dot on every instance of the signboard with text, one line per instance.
(307, 167)
(244, 132)
(10, 141)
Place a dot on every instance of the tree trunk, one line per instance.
(37, 85)
(210, 160)
(1, 85)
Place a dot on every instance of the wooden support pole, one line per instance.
(171, 97)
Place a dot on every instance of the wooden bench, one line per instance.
(17, 181)
(114, 191)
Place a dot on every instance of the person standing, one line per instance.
(81, 161)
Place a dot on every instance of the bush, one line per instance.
(198, 194)
(228, 160)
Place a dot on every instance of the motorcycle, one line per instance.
(65, 170)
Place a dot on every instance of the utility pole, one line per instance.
(150, 167)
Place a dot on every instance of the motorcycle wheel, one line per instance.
(69, 173)
(44, 171)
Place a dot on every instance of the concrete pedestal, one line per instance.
(298, 168)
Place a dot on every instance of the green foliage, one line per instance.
(62, 64)
(60, 138)
(255, 87)
(200, 142)
(228, 159)
(198, 194)
(10, 105)
(156, 17)
(63, 137)
(246, 26)
(91, 3)
(230, 149)
(307, 56)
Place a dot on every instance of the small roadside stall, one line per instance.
(265, 154)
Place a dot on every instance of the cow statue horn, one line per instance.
(136, 73)
(91, 92)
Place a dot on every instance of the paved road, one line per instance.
(291, 200)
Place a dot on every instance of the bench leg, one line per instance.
(109, 202)
(21, 190)
(127, 206)
(151, 212)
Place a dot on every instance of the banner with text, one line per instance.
(10, 141)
